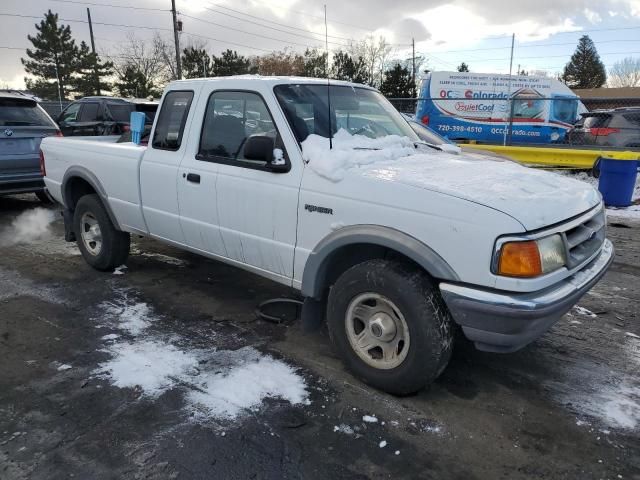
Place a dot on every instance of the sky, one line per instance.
(446, 32)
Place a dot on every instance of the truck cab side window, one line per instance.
(231, 118)
(171, 120)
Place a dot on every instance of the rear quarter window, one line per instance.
(171, 120)
(22, 113)
(120, 113)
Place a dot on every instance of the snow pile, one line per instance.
(245, 384)
(150, 365)
(219, 384)
(351, 151)
(369, 419)
(28, 227)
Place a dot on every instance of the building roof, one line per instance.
(625, 92)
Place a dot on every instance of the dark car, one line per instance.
(619, 127)
(96, 116)
(23, 125)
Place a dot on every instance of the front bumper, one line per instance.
(505, 322)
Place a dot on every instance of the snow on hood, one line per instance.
(533, 197)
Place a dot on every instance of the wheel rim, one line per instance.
(377, 331)
(90, 233)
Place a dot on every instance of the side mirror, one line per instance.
(261, 148)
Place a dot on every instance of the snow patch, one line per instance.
(351, 151)
(382, 444)
(344, 428)
(134, 317)
(369, 419)
(632, 335)
(135, 250)
(583, 311)
(120, 270)
(219, 384)
(111, 336)
(244, 385)
(28, 227)
(64, 367)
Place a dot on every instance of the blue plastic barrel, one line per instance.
(617, 181)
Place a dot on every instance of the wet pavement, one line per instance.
(213, 392)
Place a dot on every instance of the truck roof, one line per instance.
(247, 80)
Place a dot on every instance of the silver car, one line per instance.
(23, 125)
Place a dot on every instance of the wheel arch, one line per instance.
(348, 246)
(79, 181)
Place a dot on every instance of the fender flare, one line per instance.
(315, 270)
(91, 179)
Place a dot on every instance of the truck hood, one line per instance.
(535, 198)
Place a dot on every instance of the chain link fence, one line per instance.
(531, 120)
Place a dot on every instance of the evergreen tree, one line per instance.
(315, 63)
(398, 83)
(55, 56)
(463, 67)
(91, 74)
(345, 68)
(230, 63)
(133, 83)
(196, 63)
(585, 70)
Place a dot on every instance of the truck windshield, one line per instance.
(359, 111)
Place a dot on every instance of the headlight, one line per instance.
(531, 258)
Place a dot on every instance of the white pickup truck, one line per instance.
(327, 189)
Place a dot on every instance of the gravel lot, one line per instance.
(214, 393)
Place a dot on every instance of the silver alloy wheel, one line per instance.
(90, 233)
(377, 331)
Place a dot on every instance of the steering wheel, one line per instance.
(372, 127)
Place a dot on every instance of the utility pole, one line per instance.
(93, 50)
(413, 59)
(177, 39)
(509, 123)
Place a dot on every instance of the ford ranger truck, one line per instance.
(390, 240)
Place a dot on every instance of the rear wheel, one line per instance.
(101, 244)
(390, 325)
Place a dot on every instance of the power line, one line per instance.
(268, 21)
(85, 21)
(552, 56)
(250, 33)
(112, 5)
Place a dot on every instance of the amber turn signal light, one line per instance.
(520, 259)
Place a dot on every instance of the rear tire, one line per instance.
(390, 325)
(101, 244)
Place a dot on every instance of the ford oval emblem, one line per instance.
(8, 132)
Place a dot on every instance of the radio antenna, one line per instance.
(326, 74)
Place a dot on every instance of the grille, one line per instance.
(583, 240)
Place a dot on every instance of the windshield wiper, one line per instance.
(430, 145)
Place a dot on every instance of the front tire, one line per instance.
(101, 244)
(390, 325)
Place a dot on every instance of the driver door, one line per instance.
(254, 208)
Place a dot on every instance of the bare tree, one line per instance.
(625, 73)
(376, 53)
(143, 57)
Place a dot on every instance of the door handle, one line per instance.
(193, 178)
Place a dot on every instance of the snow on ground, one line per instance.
(584, 311)
(135, 250)
(610, 397)
(221, 384)
(369, 419)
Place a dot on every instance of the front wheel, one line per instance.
(390, 325)
(101, 244)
